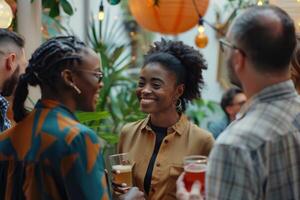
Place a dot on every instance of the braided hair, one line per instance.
(183, 60)
(45, 66)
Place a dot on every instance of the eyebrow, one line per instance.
(157, 79)
(152, 79)
(98, 69)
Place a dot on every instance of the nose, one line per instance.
(146, 90)
(101, 84)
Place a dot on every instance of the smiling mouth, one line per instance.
(147, 101)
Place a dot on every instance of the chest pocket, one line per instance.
(174, 173)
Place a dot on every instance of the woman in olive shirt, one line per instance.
(171, 76)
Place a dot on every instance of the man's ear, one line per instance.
(10, 61)
(238, 60)
(229, 109)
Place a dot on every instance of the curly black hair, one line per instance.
(45, 66)
(186, 62)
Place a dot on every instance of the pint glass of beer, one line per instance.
(122, 168)
(195, 168)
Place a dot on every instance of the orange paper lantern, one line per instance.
(169, 16)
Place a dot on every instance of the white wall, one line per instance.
(213, 90)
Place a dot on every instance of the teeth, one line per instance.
(147, 100)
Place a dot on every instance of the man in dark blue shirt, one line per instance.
(231, 103)
(12, 64)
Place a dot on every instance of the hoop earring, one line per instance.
(179, 106)
(75, 88)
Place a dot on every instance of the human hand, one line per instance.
(183, 194)
(133, 194)
(118, 188)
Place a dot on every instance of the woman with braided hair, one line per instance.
(49, 154)
(170, 77)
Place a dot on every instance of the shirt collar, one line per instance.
(179, 127)
(285, 89)
(51, 104)
(3, 103)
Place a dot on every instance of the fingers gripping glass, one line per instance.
(99, 75)
(223, 42)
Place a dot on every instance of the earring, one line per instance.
(178, 106)
(75, 88)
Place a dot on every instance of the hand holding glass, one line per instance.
(122, 169)
(195, 168)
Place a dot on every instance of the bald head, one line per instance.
(267, 35)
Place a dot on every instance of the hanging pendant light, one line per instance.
(6, 14)
(201, 38)
(101, 12)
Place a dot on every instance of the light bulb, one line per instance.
(6, 14)
(201, 29)
(260, 3)
(101, 15)
(101, 12)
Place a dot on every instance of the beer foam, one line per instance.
(122, 168)
(195, 168)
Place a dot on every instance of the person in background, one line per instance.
(257, 156)
(171, 76)
(231, 103)
(295, 68)
(12, 64)
(49, 154)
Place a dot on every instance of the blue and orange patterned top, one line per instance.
(50, 155)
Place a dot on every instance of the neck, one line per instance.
(231, 118)
(166, 119)
(256, 83)
(64, 99)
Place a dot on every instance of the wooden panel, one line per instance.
(292, 7)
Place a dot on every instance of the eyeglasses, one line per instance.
(98, 74)
(238, 103)
(223, 42)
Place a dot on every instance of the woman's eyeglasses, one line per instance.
(98, 74)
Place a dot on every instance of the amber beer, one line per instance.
(124, 174)
(195, 168)
(121, 167)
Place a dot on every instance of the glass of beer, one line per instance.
(122, 168)
(195, 168)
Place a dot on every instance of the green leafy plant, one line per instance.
(117, 103)
(201, 112)
(53, 7)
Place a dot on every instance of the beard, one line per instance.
(232, 75)
(10, 84)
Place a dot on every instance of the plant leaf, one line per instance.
(91, 116)
(54, 10)
(67, 7)
(109, 137)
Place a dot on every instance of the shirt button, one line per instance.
(157, 164)
(166, 141)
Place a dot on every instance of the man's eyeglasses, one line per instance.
(238, 103)
(223, 42)
(98, 74)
